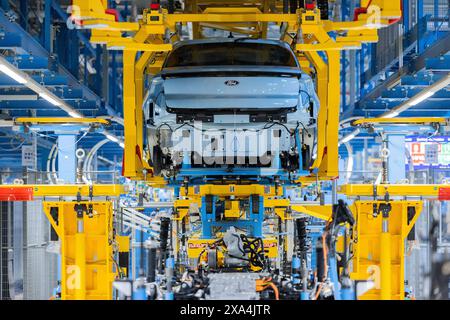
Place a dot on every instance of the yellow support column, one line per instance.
(80, 256)
(385, 265)
(86, 248)
(80, 262)
(132, 165)
(378, 245)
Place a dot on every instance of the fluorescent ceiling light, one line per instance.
(50, 99)
(416, 101)
(12, 74)
(122, 145)
(350, 136)
(112, 138)
(347, 138)
(391, 114)
(73, 114)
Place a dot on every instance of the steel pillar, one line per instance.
(396, 159)
(67, 165)
(47, 25)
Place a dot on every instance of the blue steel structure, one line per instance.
(383, 75)
(63, 60)
(253, 223)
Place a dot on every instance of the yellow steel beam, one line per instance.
(238, 16)
(410, 120)
(105, 36)
(326, 162)
(322, 91)
(59, 120)
(92, 14)
(236, 190)
(139, 82)
(329, 46)
(132, 163)
(353, 25)
(424, 190)
(321, 212)
(232, 28)
(134, 46)
(310, 179)
(107, 25)
(98, 190)
(329, 165)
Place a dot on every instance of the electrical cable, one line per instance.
(14, 148)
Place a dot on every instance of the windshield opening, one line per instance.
(231, 53)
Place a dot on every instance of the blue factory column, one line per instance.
(67, 165)
(396, 159)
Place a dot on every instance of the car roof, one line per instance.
(231, 40)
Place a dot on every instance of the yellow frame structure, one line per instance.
(148, 38)
(86, 256)
(378, 255)
(70, 190)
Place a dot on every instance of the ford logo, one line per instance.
(231, 83)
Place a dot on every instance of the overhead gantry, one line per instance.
(317, 42)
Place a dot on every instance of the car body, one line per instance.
(231, 85)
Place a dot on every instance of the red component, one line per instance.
(359, 11)
(114, 13)
(123, 164)
(16, 194)
(138, 152)
(310, 6)
(325, 151)
(154, 6)
(392, 21)
(444, 194)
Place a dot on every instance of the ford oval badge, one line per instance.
(231, 83)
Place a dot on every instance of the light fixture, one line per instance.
(50, 99)
(112, 138)
(391, 114)
(12, 74)
(73, 114)
(415, 101)
(350, 136)
(122, 145)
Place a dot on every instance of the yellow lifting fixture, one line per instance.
(69, 190)
(86, 236)
(84, 228)
(382, 226)
(148, 37)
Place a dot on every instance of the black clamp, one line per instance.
(384, 208)
(341, 213)
(81, 208)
